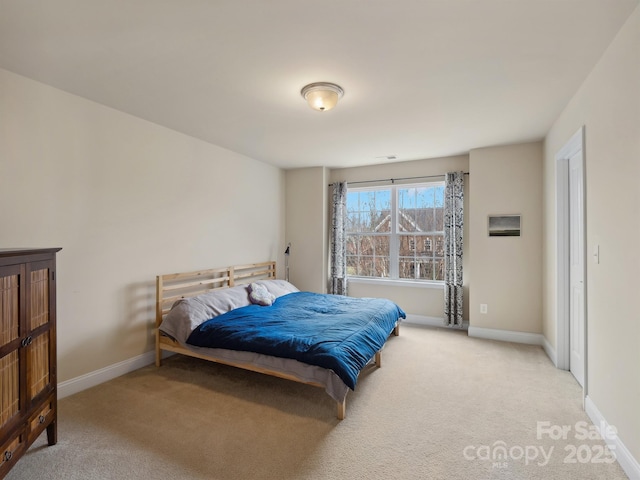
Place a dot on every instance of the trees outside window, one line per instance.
(396, 232)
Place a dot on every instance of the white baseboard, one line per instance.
(506, 335)
(490, 333)
(628, 463)
(429, 321)
(549, 350)
(91, 379)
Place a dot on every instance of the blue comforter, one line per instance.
(330, 331)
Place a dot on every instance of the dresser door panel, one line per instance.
(38, 345)
(10, 345)
(38, 275)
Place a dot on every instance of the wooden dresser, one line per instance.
(27, 351)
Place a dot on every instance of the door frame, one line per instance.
(575, 144)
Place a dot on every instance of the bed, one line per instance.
(300, 336)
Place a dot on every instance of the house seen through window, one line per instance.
(396, 232)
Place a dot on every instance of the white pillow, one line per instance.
(259, 295)
(278, 287)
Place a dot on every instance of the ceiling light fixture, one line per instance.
(322, 96)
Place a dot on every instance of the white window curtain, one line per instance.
(453, 225)
(338, 275)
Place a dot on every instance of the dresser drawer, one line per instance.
(41, 418)
(10, 452)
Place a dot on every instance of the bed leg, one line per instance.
(378, 359)
(158, 351)
(342, 409)
(396, 330)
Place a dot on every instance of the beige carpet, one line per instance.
(441, 403)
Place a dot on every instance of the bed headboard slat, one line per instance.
(174, 286)
(197, 273)
(179, 286)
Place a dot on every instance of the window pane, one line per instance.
(364, 220)
(368, 255)
(383, 200)
(352, 244)
(429, 245)
(422, 268)
(439, 196)
(377, 245)
(381, 245)
(406, 198)
(406, 210)
(366, 245)
(369, 266)
(407, 268)
(407, 220)
(439, 269)
(352, 265)
(439, 226)
(351, 223)
(420, 209)
(365, 267)
(407, 245)
(384, 223)
(369, 211)
(421, 246)
(426, 269)
(382, 267)
(383, 209)
(354, 202)
(439, 245)
(424, 219)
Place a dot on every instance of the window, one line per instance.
(396, 232)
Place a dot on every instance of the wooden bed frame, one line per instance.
(173, 287)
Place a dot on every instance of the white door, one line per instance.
(576, 268)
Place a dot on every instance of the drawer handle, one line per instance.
(8, 455)
(41, 419)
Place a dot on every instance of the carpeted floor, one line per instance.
(443, 406)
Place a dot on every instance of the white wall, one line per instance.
(126, 200)
(608, 105)
(306, 229)
(423, 301)
(507, 271)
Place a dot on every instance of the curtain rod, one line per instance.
(393, 180)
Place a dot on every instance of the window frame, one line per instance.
(395, 237)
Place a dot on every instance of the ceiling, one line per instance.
(422, 78)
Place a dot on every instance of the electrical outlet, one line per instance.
(483, 308)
